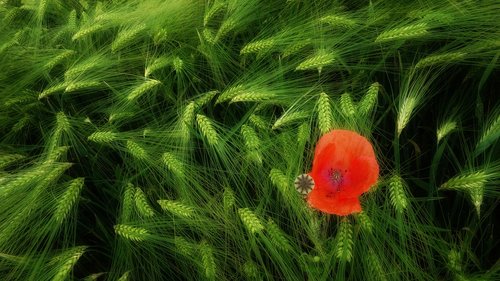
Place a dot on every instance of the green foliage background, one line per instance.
(159, 139)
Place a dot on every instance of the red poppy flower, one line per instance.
(344, 167)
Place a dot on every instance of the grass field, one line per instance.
(164, 140)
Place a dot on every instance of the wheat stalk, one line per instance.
(228, 25)
(205, 98)
(62, 122)
(455, 260)
(251, 270)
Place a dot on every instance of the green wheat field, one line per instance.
(150, 140)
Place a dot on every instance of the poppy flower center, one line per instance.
(336, 178)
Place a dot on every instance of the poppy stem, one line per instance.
(396, 153)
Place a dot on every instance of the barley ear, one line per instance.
(208, 260)
(369, 100)
(397, 193)
(344, 241)
(289, 118)
(324, 111)
(403, 33)
(281, 182)
(346, 105)
(142, 204)
(103, 137)
(132, 233)
(126, 37)
(228, 198)
(445, 128)
(69, 258)
(143, 88)
(68, 199)
(136, 150)
(406, 109)
(490, 135)
(250, 221)
(125, 276)
(173, 164)
(277, 236)
(317, 61)
(472, 183)
(177, 208)
(207, 129)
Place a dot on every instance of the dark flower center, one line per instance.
(337, 178)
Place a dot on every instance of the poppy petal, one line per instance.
(326, 162)
(344, 167)
(331, 203)
(360, 177)
(346, 141)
